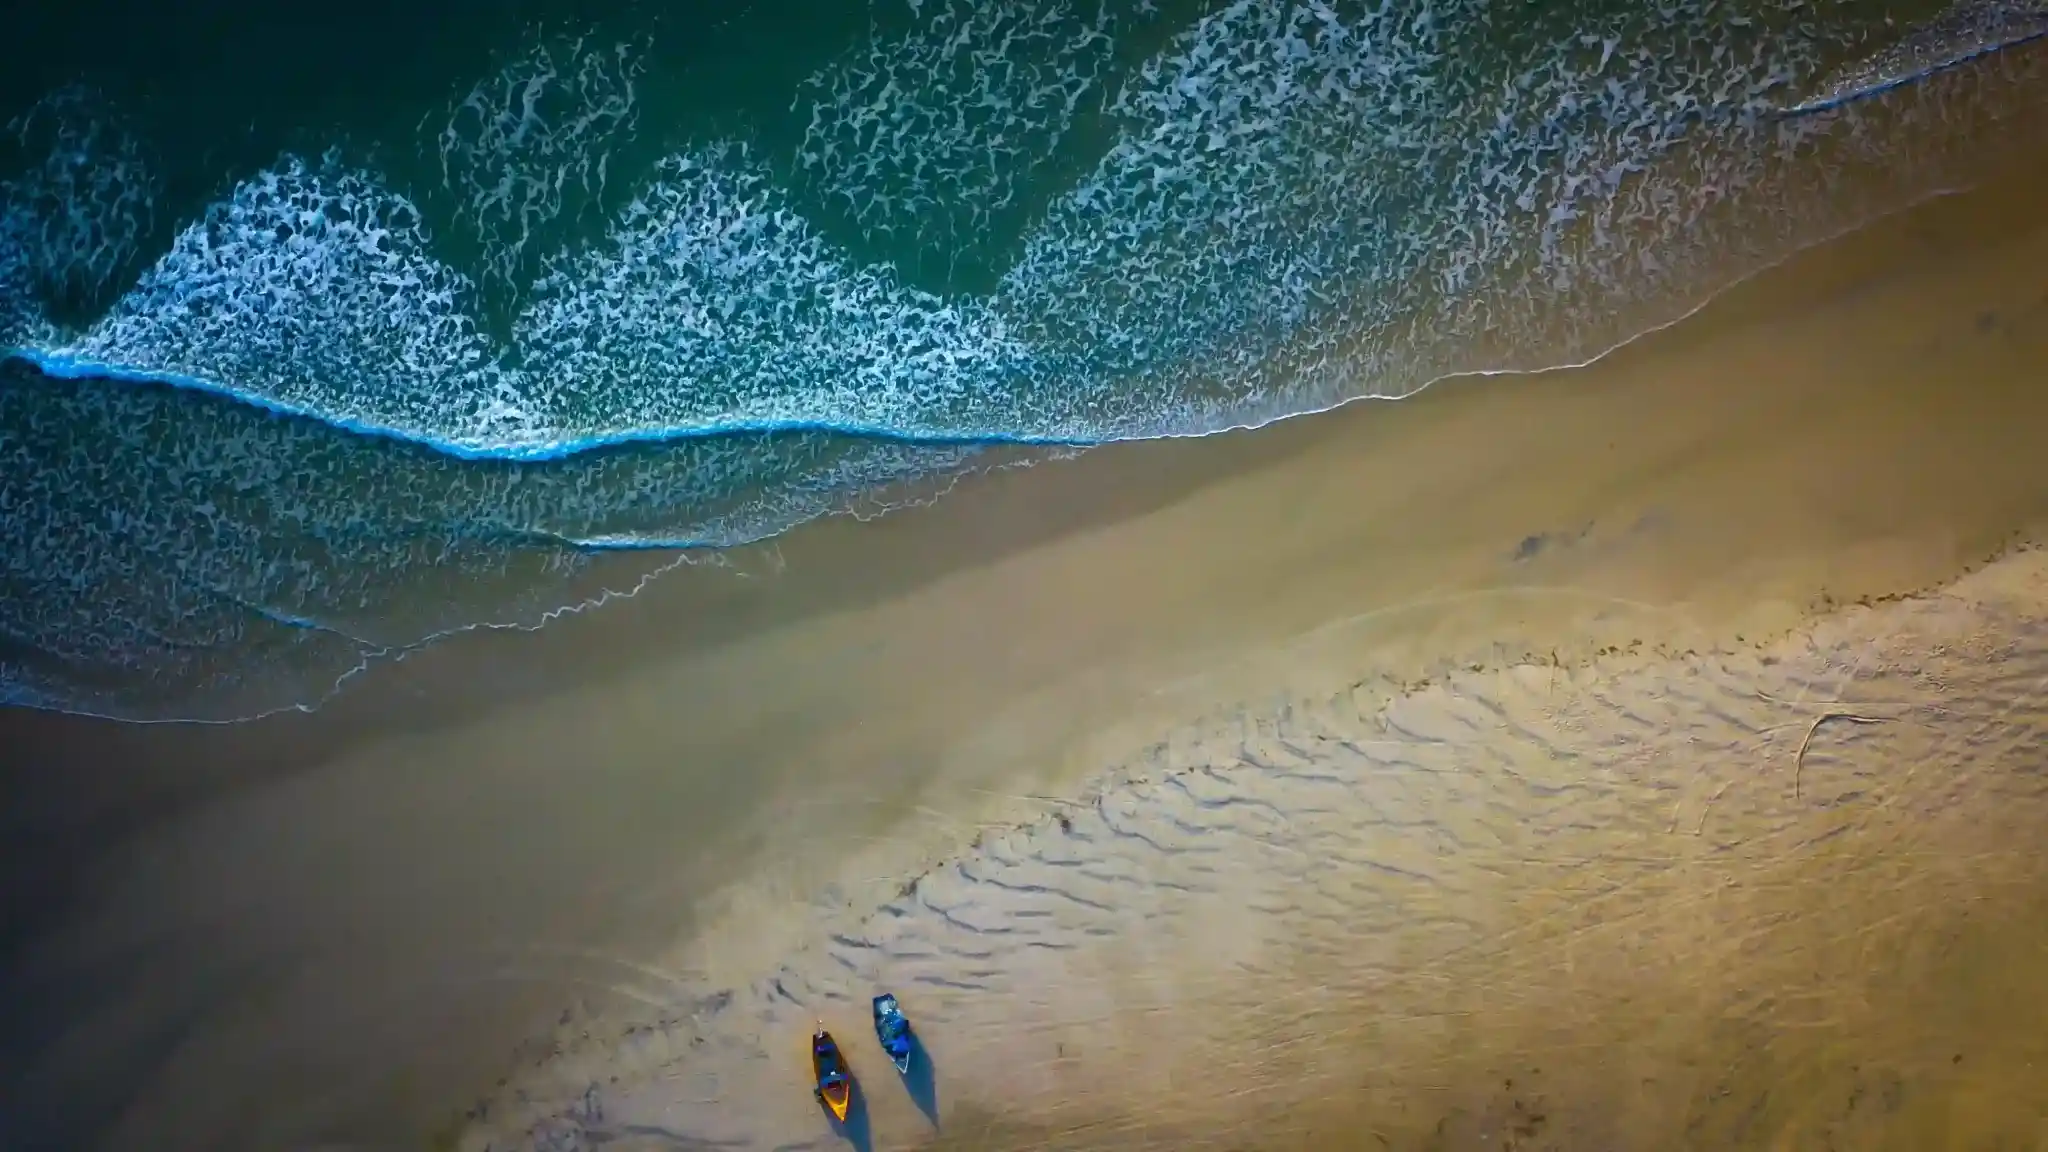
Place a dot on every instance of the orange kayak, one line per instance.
(835, 1084)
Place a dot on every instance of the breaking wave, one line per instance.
(417, 387)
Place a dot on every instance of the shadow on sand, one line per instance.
(922, 1081)
(855, 1129)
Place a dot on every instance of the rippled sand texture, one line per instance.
(1610, 906)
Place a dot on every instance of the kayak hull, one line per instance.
(835, 1083)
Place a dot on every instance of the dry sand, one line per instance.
(1425, 768)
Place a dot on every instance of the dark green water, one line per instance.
(333, 331)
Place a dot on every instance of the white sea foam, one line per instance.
(1283, 195)
(528, 150)
(712, 304)
(1280, 207)
(931, 138)
(75, 218)
(311, 287)
(1967, 29)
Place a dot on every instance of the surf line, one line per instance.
(59, 366)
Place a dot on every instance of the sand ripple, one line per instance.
(1395, 917)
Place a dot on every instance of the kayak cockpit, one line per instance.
(892, 1028)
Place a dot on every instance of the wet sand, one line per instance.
(1403, 752)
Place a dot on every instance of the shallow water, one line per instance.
(796, 260)
(1778, 896)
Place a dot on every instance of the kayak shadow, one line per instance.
(922, 1081)
(855, 1129)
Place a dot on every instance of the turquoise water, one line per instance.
(324, 342)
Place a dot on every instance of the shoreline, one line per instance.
(1737, 301)
(376, 904)
(1865, 194)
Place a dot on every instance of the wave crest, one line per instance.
(1039, 222)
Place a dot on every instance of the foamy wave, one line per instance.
(74, 219)
(1969, 29)
(935, 137)
(207, 561)
(983, 225)
(713, 305)
(1440, 192)
(311, 289)
(1283, 194)
(527, 152)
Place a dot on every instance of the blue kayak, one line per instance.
(893, 1030)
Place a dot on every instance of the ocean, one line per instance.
(327, 334)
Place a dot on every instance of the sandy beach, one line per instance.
(1642, 755)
